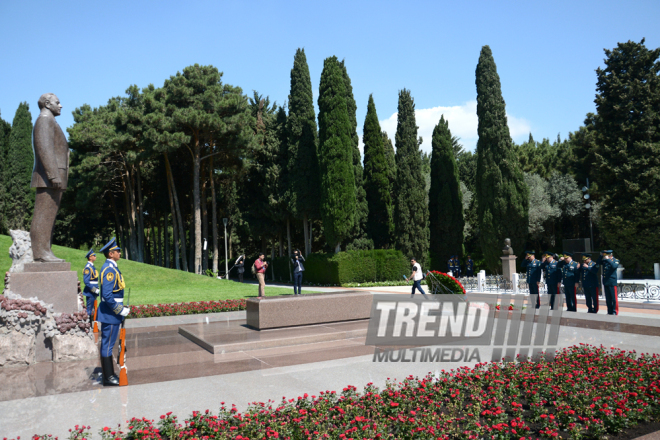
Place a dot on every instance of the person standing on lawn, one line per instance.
(570, 274)
(533, 267)
(416, 277)
(552, 276)
(91, 281)
(610, 265)
(589, 277)
(298, 269)
(240, 267)
(111, 311)
(260, 267)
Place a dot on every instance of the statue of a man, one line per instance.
(49, 177)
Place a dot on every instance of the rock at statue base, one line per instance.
(20, 251)
(16, 349)
(73, 348)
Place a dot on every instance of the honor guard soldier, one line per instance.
(589, 277)
(457, 267)
(533, 267)
(571, 276)
(450, 265)
(469, 267)
(112, 310)
(610, 264)
(552, 273)
(91, 281)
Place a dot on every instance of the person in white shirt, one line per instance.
(416, 276)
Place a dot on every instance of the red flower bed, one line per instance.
(190, 308)
(586, 392)
(448, 282)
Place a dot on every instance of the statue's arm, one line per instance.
(44, 149)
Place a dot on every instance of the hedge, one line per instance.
(356, 267)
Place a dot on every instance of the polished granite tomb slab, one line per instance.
(312, 308)
(234, 336)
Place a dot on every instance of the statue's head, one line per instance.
(507, 242)
(51, 102)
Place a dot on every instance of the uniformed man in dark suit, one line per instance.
(112, 311)
(533, 267)
(450, 265)
(610, 265)
(469, 267)
(91, 281)
(589, 278)
(571, 276)
(552, 274)
(457, 267)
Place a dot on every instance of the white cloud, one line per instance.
(462, 123)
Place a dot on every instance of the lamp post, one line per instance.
(224, 220)
(586, 196)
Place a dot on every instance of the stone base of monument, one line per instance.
(315, 308)
(508, 266)
(52, 283)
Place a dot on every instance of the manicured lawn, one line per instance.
(156, 285)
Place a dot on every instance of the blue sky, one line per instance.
(546, 52)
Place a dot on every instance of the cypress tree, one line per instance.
(5, 130)
(411, 213)
(18, 172)
(303, 168)
(335, 156)
(445, 199)
(502, 195)
(376, 181)
(361, 207)
(628, 152)
(391, 165)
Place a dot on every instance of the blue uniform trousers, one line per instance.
(612, 300)
(297, 282)
(553, 289)
(534, 290)
(571, 303)
(90, 305)
(591, 296)
(109, 335)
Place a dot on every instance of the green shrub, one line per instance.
(356, 267)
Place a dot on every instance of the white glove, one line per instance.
(125, 311)
(95, 290)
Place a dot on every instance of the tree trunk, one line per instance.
(279, 240)
(310, 238)
(197, 217)
(306, 234)
(272, 260)
(138, 254)
(229, 248)
(205, 230)
(140, 206)
(118, 228)
(263, 244)
(158, 254)
(175, 235)
(129, 198)
(165, 227)
(214, 219)
(182, 234)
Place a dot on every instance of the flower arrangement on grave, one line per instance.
(443, 283)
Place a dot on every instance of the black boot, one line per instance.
(109, 378)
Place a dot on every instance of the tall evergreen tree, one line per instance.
(391, 165)
(335, 156)
(380, 226)
(502, 195)
(628, 154)
(19, 201)
(5, 130)
(445, 199)
(411, 213)
(303, 167)
(361, 207)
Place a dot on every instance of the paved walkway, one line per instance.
(170, 373)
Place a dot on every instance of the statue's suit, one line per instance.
(51, 160)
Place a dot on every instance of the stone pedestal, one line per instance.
(656, 270)
(52, 283)
(481, 281)
(515, 280)
(508, 266)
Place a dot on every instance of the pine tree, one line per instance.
(376, 181)
(303, 167)
(19, 196)
(5, 130)
(445, 199)
(361, 207)
(628, 152)
(335, 156)
(502, 196)
(411, 213)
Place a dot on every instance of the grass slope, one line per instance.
(155, 285)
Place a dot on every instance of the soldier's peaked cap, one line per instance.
(111, 246)
(586, 256)
(529, 252)
(568, 254)
(608, 251)
(90, 253)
